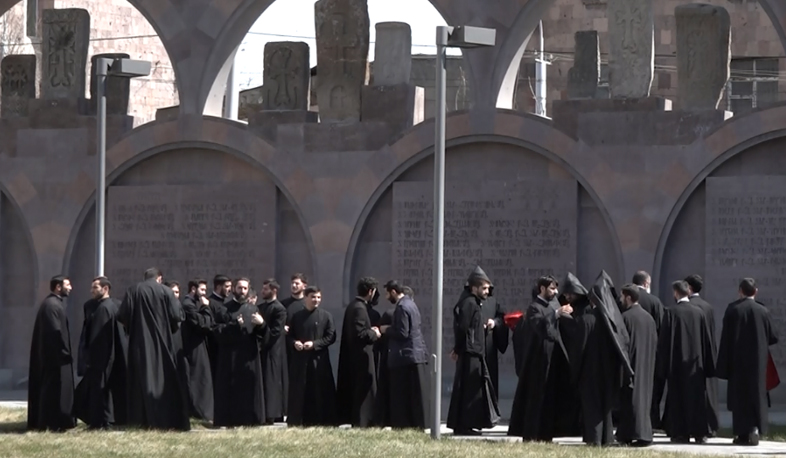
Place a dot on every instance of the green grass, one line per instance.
(273, 442)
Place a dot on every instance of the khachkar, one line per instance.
(703, 55)
(342, 35)
(584, 76)
(66, 35)
(286, 77)
(631, 48)
(18, 84)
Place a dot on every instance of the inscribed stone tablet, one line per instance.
(190, 231)
(286, 77)
(583, 77)
(703, 55)
(746, 237)
(65, 45)
(392, 54)
(18, 84)
(516, 232)
(118, 88)
(631, 48)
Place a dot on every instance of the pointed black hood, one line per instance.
(479, 273)
(602, 297)
(572, 285)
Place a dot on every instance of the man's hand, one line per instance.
(286, 329)
(257, 319)
(308, 345)
(240, 320)
(453, 356)
(490, 324)
(204, 301)
(298, 345)
(376, 331)
(565, 310)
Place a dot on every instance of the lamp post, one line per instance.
(125, 68)
(447, 37)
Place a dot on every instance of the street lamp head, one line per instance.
(129, 68)
(466, 36)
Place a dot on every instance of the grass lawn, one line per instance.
(272, 442)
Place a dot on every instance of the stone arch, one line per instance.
(776, 10)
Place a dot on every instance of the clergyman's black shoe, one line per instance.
(753, 437)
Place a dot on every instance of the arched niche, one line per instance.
(479, 167)
(196, 167)
(18, 272)
(691, 248)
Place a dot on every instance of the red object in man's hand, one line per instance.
(512, 318)
(773, 380)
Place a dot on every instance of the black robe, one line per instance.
(156, 396)
(382, 406)
(497, 339)
(713, 417)
(544, 373)
(746, 336)
(87, 311)
(312, 395)
(684, 360)
(196, 330)
(357, 374)
(50, 393)
(239, 383)
(293, 306)
(100, 398)
(216, 309)
(636, 399)
(274, 360)
(652, 305)
(473, 403)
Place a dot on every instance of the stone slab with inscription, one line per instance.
(703, 55)
(516, 231)
(118, 88)
(746, 237)
(631, 48)
(286, 77)
(191, 231)
(392, 54)
(584, 76)
(65, 45)
(342, 35)
(18, 84)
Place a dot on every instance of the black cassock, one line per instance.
(293, 306)
(196, 330)
(712, 382)
(50, 393)
(473, 403)
(274, 360)
(684, 360)
(216, 309)
(239, 382)
(652, 305)
(156, 396)
(746, 336)
(312, 400)
(636, 400)
(101, 395)
(382, 405)
(357, 374)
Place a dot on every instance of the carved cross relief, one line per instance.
(285, 72)
(62, 54)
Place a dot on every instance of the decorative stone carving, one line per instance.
(18, 84)
(286, 77)
(631, 48)
(66, 35)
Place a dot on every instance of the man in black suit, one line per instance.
(695, 284)
(652, 305)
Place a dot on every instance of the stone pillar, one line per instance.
(392, 54)
(66, 35)
(285, 83)
(703, 55)
(632, 48)
(18, 84)
(342, 35)
(583, 77)
(118, 89)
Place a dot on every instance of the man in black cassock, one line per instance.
(473, 403)
(195, 331)
(156, 396)
(695, 285)
(407, 362)
(312, 400)
(222, 292)
(684, 360)
(50, 393)
(294, 303)
(239, 383)
(357, 373)
(544, 370)
(100, 399)
(519, 331)
(635, 426)
(652, 305)
(274, 352)
(746, 336)
(177, 338)
(381, 350)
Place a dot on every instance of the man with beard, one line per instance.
(101, 394)
(409, 381)
(239, 386)
(685, 361)
(357, 374)
(222, 290)
(473, 404)
(635, 426)
(151, 314)
(195, 331)
(274, 353)
(312, 400)
(544, 367)
(296, 301)
(695, 285)
(746, 336)
(50, 393)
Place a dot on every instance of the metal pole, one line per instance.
(232, 96)
(540, 78)
(439, 231)
(101, 74)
